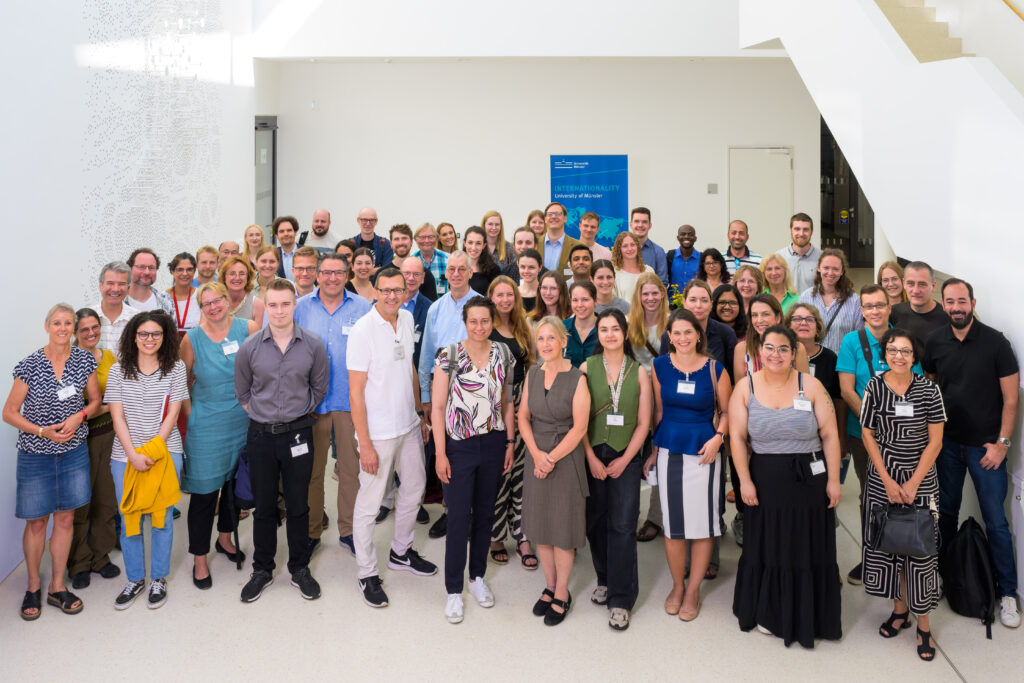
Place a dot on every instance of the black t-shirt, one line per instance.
(479, 282)
(519, 372)
(823, 367)
(918, 324)
(968, 375)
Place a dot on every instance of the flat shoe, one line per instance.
(202, 584)
(64, 601)
(80, 580)
(237, 556)
(109, 571)
(672, 607)
(689, 615)
(540, 608)
(32, 600)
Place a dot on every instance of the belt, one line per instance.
(284, 427)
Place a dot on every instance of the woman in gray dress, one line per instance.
(552, 422)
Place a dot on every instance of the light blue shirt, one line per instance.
(553, 252)
(851, 360)
(286, 263)
(333, 330)
(654, 256)
(444, 326)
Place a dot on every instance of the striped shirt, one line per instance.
(143, 400)
(732, 263)
(846, 319)
(44, 405)
(110, 330)
(437, 267)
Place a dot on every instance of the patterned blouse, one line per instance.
(476, 397)
(51, 401)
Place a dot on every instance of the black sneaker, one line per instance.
(311, 546)
(373, 594)
(157, 593)
(81, 580)
(258, 580)
(411, 562)
(440, 527)
(306, 584)
(855, 576)
(382, 514)
(127, 596)
(423, 517)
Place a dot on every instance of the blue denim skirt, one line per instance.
(47, 483)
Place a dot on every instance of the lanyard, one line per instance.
(181, 318)
(616, 388)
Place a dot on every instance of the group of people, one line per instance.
(540, 380)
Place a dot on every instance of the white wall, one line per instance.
(447, 141)
(990, 29)
(123, 128)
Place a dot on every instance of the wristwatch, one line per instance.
(1003, 441)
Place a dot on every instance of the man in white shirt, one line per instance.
(321, 239)
(142, 295)
(381, 374)
(114, 313)
(801, 256)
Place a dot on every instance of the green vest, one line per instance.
(599, 431)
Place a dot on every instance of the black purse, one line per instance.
(903, 530)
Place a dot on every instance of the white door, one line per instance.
(761, 194)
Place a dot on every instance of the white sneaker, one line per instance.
(453, 610)
(479, 590)
(1008, 613)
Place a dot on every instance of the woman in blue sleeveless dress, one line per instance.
(216, 426)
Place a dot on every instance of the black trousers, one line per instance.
(613, 508)
(201, 507)
(270, 461)
(476, 465)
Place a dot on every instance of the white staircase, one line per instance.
(928, 39)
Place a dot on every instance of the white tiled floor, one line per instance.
(283, 637)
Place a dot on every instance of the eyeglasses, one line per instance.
(902, 353)
(397, 291)
(729, 304)
(331, 273)
(367, 220)
(771, 349)
(873, 307)
(146, 267)
(184, 270)
(803, 319)
(212, 302)
(149, 335)
(554, 213)
(458, 269)
(304, 269)
(890, 280)
(412, 276)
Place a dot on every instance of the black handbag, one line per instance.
(903, 530)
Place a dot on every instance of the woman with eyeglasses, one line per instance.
(749, 282)
(890, 277)
(49, 408)
(806, 322)
(902, 418)
(145, 390)
(239, 278)
(787, 580)
(186, 312)
(217, 427)
(712, 269)
(726, 309)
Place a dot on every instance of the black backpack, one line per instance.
(968, 578)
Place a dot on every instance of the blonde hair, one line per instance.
(250, 272)
(423, 228)
(787, 279)
(500, 242)
(521, 331)
(617, 250)
(754, 273)
(637, 324)
(252, 256)
(555, 324)
(207, 249)
(217, 288)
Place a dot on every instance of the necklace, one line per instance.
(616, 389)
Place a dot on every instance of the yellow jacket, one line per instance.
(150, 492)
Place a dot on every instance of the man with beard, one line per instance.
(979, 378)
(920, 315)
(206, 266)
(401, 249)
(142, 295)
(739, 254)
(322, 239)
(683, 262)
(801, 256)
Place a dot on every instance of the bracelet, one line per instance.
(40, 434)
(721, 435)
(85, 415)
(509, 442)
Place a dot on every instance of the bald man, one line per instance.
(379, 245)
(321, 238)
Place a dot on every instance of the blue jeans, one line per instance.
(133, 548)
(955, 461)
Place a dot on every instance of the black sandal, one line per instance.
(32, 600)
(889, 629)
(540, 608)
(499, 555)
(64, 601)
(924, 651)
(526, 558)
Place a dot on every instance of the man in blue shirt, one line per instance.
(653, 255)
(330, 312)
(854, 373)
(557, 244)
(682, 263)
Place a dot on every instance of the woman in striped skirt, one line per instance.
(689, 388)
(901, 419)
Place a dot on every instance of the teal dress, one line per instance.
(217, 424)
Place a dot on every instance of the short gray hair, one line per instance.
(460, 253)
(66, 308)
(116, 267)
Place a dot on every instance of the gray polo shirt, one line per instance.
(281, 387)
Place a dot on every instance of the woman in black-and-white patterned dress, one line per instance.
(902, 417)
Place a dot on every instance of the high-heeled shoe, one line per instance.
(888, 629)
(925, 650)
(236, 557)
(202, 584)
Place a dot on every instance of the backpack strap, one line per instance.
(302, 237)
(865, 348)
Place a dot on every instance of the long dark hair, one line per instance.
(620, 318)
(702, 338)
(717, 255)
(486, 262)
(129, 350)
(739, 325)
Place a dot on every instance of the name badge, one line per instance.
(64, 393)
(398, 352)
(229, 347)
(300, 449)
(903, 409)
(817, 467)
(567, 272)
(616, 420)
(810, 366)
(685, 387)
(416, 337)
(346, 329)
(803, 404)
